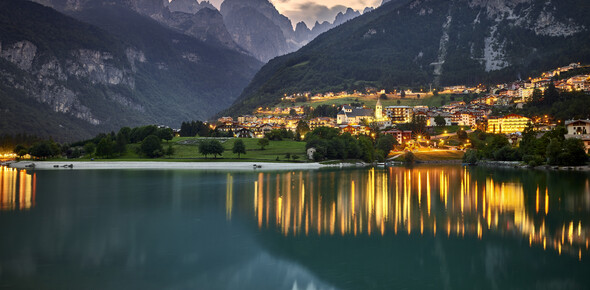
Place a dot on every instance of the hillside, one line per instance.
(64, 78)
(417, 43)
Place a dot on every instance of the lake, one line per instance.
(426, 227)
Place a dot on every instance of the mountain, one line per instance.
(417, 43)
(257, 26)
(188, 6)
(69, 79)
(199, 20)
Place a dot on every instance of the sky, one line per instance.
(311, 10)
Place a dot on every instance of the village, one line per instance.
(473, 115)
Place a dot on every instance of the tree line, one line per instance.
(329, 144)
(551, 148)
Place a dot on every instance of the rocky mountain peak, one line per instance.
(189, 6)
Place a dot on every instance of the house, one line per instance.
(401, 136)
(350, 115)
(467, 119)
(579, 129)
(321, 122)
(247, 119)
(508, 124)
(355, 129)
(431, 119)
(399, 114)
(244, 133)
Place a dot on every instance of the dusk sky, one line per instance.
(311, 10)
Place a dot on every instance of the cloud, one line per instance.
(310, 13)
(311, 10)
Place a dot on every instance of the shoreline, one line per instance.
(158, 165)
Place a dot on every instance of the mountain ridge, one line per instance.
(86, 79)
(413, 43)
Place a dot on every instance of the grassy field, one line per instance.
(190, 152)
(253, 152)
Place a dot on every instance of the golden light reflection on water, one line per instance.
(410, 202)
(17, 189)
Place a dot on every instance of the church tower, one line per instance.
(378, 110)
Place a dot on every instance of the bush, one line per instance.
(470, 157)
(533, 160)
(409, 157)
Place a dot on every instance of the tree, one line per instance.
(440, 120)
(170, 151)
(409, 157)
(43, 149)
(204, 148)
(121, 142)
(263, 143)
(574, 153)
(470, 157)
(18, 148)
(302, 127)
(461, 134)
(151, 146)
(553, 150)
(216, 148)
(239, 148)
(165, 134)
(385, 143)
(89, 148)
(105, 147)
(551, 95)
(367, 150)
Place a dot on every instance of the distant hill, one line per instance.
(68, 79)
(418, 43)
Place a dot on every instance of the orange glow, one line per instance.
(17, 189)
(376, 201)
(537, 200)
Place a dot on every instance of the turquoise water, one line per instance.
(427, 227)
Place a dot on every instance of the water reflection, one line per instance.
(17, 189)
(429, 201)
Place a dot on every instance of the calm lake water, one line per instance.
(427, 227)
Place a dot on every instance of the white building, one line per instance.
(579, 129)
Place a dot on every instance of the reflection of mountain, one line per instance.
(434, 201)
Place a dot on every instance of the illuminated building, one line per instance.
(350, 115)
(508, 124)
(399, 114)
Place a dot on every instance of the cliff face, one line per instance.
(44, 81)
(199, 20)
(63, 78)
